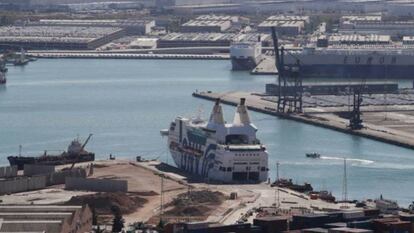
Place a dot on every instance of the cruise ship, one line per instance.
(245, 55)
(376, 62)
(219, 151)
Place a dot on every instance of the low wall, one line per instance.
(59, 177)
(22, 184)
(7, 172)
(96, 185)
(33, 169)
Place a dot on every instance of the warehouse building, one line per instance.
(392, 28)
(58, 37)
(206, 26)
(284, 28)
(195, 40)
(213, 23)
(357, 39)
(209, 39)
(408, 40)
(231, 18)
(304, 18)
(131, 26)
(45, 218)
(350, 19)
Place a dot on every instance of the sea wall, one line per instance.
(22, 184)
(7, 172)
(96, 185)
(59, 177)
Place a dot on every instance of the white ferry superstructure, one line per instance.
(219, 151)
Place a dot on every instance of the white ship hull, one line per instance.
(245, 55)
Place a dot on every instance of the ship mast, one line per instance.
(345, 188)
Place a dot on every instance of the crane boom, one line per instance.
(78, 155)
(276, 48)
(86, 141)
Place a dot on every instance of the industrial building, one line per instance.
(283, 28)
(206, 26)
(131, 26)
(349, 19)
(286, 6)
(392, 28)
(58, 37)
(212, 23)
(288, 25)
(208, 39)
(304, 18)
(194, 40)
(408, 40)
(45, 218)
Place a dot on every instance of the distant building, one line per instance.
(212, 23)
(132, 27)
(408, 40)
(45, 218)
(206, 26)
(357, 39)
(58, 37)
(195, 40)
(360, 18)
(392, 28)
(288, 25)
(304, 18)
(208, 39)
(286, 28)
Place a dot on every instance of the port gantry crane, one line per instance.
(288, 95)
(355, 121)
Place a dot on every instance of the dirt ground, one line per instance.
(143, 182)
(198, 201)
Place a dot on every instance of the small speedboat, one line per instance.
(313, 155)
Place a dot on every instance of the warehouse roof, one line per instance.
(90, 22)
(277, 23)
(200, 23)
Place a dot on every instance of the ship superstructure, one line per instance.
(217, 150)
(369, 61)
(245, 55)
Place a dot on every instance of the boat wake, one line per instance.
(361, 161)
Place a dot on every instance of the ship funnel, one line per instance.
(242, 116)
(216, 116)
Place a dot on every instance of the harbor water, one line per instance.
(125, 103)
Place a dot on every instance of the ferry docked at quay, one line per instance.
(219, 151)
(245, 55)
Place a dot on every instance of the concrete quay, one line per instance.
(400, 132)
(265, 67)
(93, 55)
